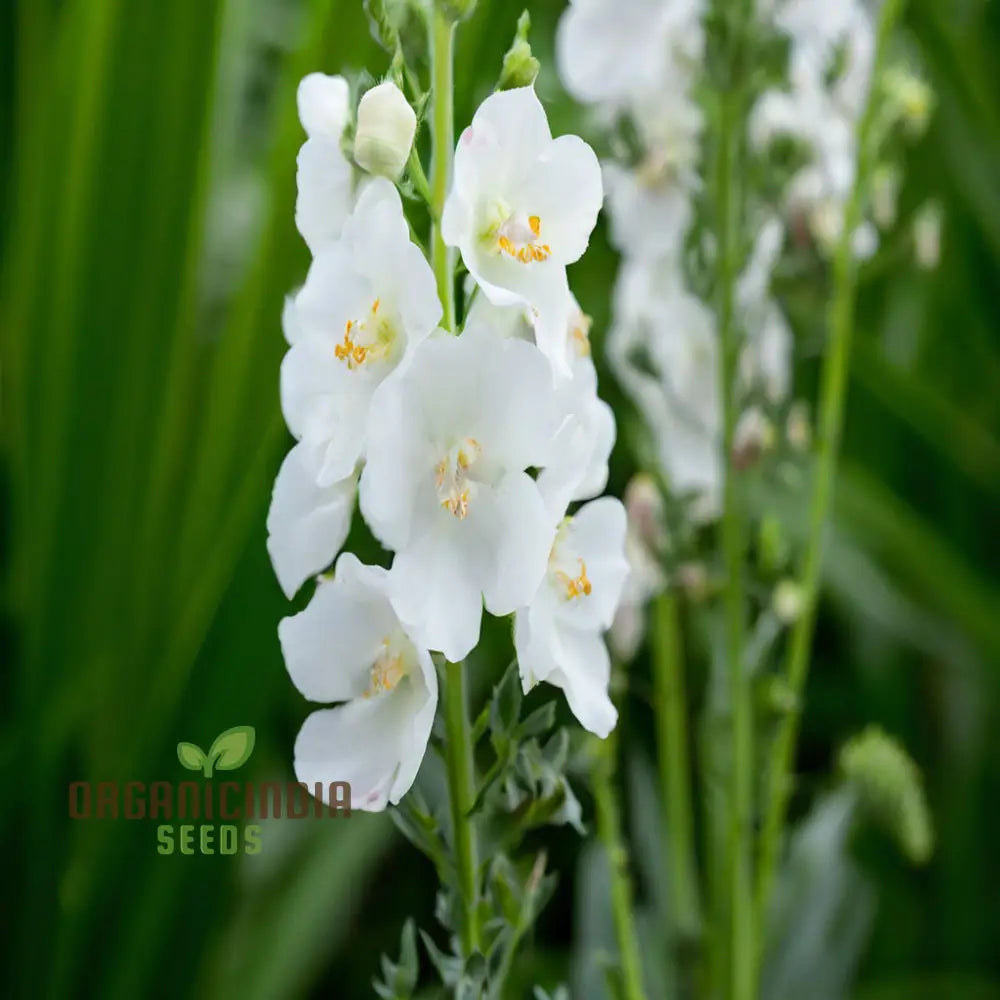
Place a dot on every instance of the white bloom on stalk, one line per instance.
(650, 206)
(368, 301)
(348, 646)
(325, 177)
(445, 484)
(522, 207)
(558, 636)
(614, 50)
(664, 348)
(386, 126)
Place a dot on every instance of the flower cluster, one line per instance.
(464, 453)
(664, 341)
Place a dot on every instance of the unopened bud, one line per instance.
(911, 97)
(927, 236)
(886, 182)
(520, 67)
(384, 136)
(788, 601)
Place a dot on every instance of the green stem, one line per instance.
(675, 767)
(461, 790)
(609, 831)
(443, 137)
(729, 205)
(830, 421)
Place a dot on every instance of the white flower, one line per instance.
(349, 646)
(663, 347)
(522, 207)
(445, 486)
(766, 359)
(386, 126)
(307, 523)
(650, 214)
(613, 50)
(324, 174)
(558, 636)
(368, 300)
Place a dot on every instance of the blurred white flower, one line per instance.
(663, 348)
(324, 174)
(615, 50)
(645, 540)
(558, 636)
(349, 646)
(368, 300)
(522, 206)
(307, 523)
(445, 484)
(384, 135)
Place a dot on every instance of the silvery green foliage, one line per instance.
(525, 786)
(823, 908)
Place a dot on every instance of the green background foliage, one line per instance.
(147, 163)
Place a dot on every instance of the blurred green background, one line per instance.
(147, 162)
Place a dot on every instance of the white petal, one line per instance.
(584, 673)
(565, 190)
(358, 742)
(508, 131)
(414, 737)
(306, 524)
(435, 591)
(330, 646)
(516, 418)
(399, 460)
(522, 534)
(323, 105)
(325, 406)
(575, 661)
(596, 534)
(324, 182)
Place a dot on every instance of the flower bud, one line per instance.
(520, 67)
(384, 135)
(788, 601)
(927, 235)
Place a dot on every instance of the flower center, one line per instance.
(451, 476)
(389, 668)
(366, 340)
(568, 570)
(519, 236)
(575, 586)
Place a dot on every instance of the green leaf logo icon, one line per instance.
(230, 750)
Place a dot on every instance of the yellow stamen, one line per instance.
(579, 586)
(387, 671)
(376, 343)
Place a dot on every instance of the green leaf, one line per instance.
(232, 748)
(505, 707)
(191, 756)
